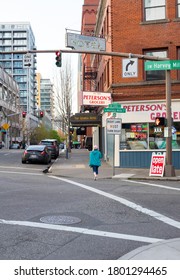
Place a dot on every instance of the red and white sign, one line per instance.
(148, 112)
(96, 98)
(157, 165)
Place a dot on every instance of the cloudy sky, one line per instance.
(49, 21)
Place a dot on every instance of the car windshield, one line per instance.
(39, 148)
(47, 143)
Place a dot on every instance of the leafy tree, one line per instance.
(42, 132)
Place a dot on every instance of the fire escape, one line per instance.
(90, 75)
(89, 84)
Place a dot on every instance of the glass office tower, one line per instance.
(18, 36)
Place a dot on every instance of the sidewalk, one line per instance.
(76, 166)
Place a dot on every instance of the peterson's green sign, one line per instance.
(162, 65)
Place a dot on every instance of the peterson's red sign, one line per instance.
(157, 165)
(96, 98)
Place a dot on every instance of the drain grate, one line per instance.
(60, 220)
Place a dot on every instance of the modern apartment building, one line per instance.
(147, 28)
(47, 96)
(10, 113)
(17, 37)
(45, 100)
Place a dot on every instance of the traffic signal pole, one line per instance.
(169, 168)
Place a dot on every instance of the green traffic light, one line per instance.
(58, 63)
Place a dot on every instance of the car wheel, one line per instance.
(23, 161)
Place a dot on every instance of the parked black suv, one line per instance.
(52, 145)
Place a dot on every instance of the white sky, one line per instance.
(48, 20)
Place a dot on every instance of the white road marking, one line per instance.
(123, 175)
(154, 185)
(19, 167)
(130, 204)
(82, 231)
(125, 202)
(22, 173)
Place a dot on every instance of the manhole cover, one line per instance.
(60, 220)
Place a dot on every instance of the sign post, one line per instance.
(113, 125)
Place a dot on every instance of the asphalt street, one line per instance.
(65, 214)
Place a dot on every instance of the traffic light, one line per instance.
(160, 121)
(23, 114)
(41, 114)
(58, 59)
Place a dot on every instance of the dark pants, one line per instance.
(95, 169)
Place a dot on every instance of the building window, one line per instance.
(178, 8)
(154, 9)
(134, 136)
(144, 136)
(156, 75)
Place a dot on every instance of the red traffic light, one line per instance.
(41, 114)
(58, 59)
(23, 114)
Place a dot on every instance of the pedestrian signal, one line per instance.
(160, 121)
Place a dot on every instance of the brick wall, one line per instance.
(130, 34)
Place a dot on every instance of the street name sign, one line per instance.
(113, 126)
(162, 65)
(114, 108)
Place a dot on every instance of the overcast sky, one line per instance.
(48, 20)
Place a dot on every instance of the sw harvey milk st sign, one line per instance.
(162, 65)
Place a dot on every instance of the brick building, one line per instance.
(149, 28)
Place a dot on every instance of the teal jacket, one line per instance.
(95, 158)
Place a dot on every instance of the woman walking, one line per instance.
(95, 161)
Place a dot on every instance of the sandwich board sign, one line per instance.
(157, 164)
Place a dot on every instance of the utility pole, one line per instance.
(169, 169)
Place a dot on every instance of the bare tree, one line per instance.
(63, 100)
